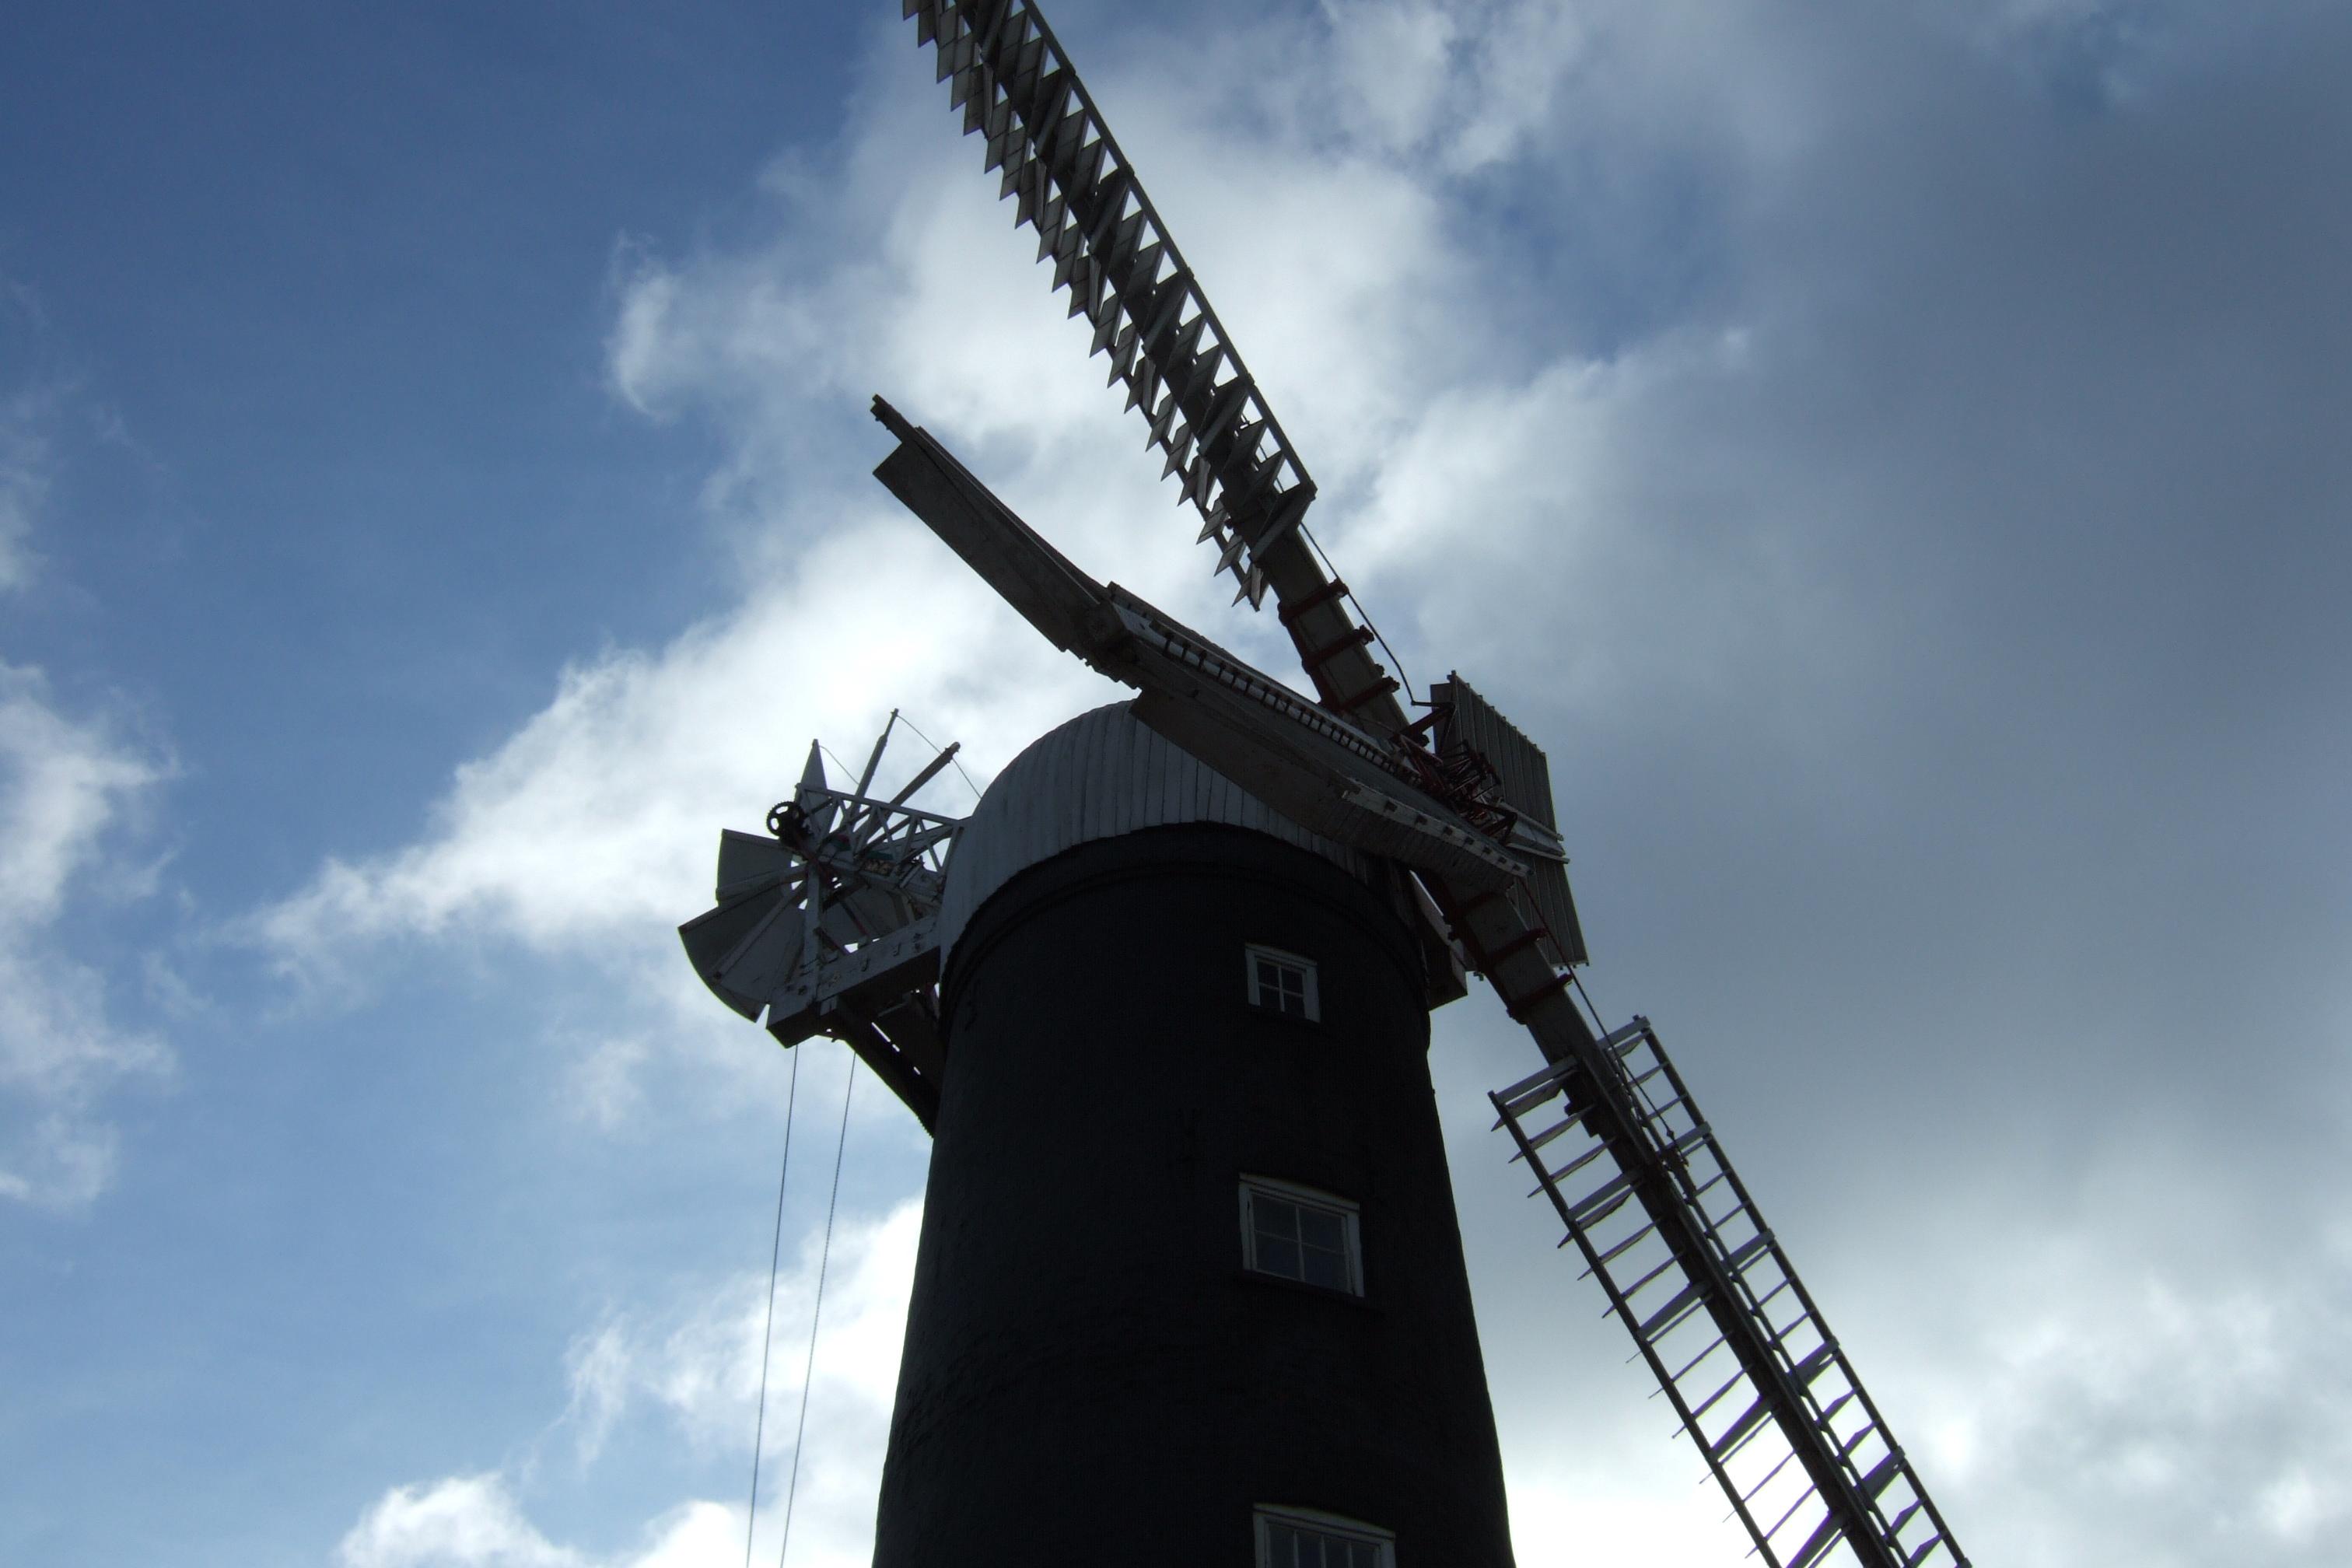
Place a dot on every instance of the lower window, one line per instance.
(1297, 1233)
(1308, 1538)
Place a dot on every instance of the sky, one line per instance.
(1891, 455)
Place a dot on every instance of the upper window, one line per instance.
(1307, 1538)
(1298, 1233)
(1282, 982)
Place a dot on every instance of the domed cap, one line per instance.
(1102, 775)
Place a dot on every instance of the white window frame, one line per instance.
(1354, 1531)
(1254, 951)
(1305, 1197)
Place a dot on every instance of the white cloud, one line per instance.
(24, 483)
(694, 1366)
(699, 1364)
(66, 784)
(1463, 85)
(602, 1086)
(466, 1519)
(2196, 1411)
(69, 787)
(474, 1521)
(1564, 1492)
(598, 820)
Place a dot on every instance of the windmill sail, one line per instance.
(1651, 1201)
(1124, 273)
(1202, 408)
(1326, 772)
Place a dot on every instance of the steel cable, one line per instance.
(817, 1314)
(768, 1332)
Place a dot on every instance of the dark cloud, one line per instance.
(1936, 623)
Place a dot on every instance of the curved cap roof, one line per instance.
(1102, 775)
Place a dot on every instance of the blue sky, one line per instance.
(1890, 455)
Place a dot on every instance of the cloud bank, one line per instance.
(694, 1365)
(66, 785)
(71, 788)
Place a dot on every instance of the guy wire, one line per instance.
(823, 1257)
(767, 1333)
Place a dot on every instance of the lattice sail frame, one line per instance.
(1125, 275)
(1717, 1312)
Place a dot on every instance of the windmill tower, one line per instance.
(1189, 1253)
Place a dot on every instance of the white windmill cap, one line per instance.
(1104, 773)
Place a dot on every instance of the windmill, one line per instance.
(834, 924)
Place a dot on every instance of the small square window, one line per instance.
(1297, 1233)
(1310, 1538)
(1282, 983)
